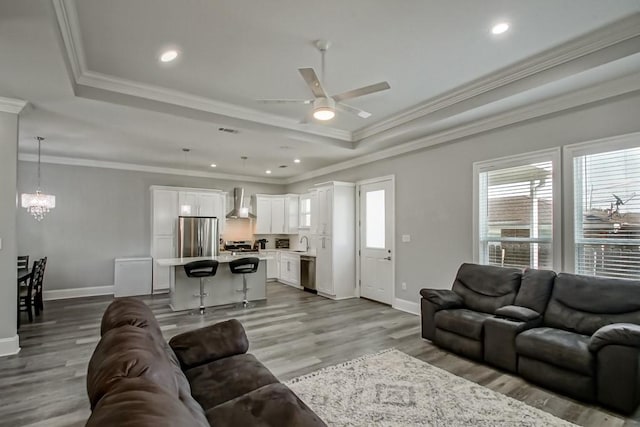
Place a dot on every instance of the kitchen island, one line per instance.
(222, 289)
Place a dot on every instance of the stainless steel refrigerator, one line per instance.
(198, 236)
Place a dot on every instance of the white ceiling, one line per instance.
(235, 51)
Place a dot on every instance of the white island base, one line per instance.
(222, 289)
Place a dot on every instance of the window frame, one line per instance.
(604, 145)
(555, 156)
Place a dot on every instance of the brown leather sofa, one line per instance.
(202, 377)
(575, 334)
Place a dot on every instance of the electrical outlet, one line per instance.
(406, 238)
(404, 286)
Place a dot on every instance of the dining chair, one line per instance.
(37, 288)
(23, 262)
(25, 294)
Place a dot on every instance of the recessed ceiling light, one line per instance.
(213, 165)
(500, 28)
(169, 55)
(296, 160)
(267, 171)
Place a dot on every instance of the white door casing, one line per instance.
(376, 216)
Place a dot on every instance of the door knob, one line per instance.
(388, 258)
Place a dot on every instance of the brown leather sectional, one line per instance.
(202, 377)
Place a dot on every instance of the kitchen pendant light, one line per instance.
(38, 204)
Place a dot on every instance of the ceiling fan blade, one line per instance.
(358, 112)
(285, 101)
(366, 90)
(310, 76)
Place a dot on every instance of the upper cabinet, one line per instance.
(203, 203)
(276, 214)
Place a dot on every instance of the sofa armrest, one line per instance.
(516, 312)
(627, 334)
(444, 299)
(211, 343)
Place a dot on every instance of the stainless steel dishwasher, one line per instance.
(308, 272)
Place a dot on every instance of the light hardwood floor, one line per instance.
(294, 333)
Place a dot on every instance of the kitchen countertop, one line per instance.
(310, 252)
(174, 262)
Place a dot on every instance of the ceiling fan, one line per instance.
(324, 106)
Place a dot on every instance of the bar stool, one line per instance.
(202, 269)
(244, 266)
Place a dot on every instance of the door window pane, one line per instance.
(375, 220)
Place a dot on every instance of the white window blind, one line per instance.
(515, 220)
(607, 213)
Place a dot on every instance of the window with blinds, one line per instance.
(607, 214)
(515, 216)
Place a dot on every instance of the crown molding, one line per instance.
(594, 41)
(71, 161)
(67, 18)
(11, 105)
(554, 105)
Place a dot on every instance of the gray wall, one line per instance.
(100, 214)
(434, 186)
(8, 161)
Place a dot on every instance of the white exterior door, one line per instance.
(376, 241)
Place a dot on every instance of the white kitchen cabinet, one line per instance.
(290, 269)
(324, 266)
(203, 203)
(313, 196)
(272, 264)
(164, 214)
(164, 207)
(276, 214)
(334, 211)
(263, 215)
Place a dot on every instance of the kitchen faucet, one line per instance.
(306, 247)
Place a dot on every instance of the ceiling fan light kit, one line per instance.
(324, 109)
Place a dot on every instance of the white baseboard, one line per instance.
(408, 306)
(77, 292)
(9, 346)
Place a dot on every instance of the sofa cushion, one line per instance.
(130, 311)
(486, 288)
(517, 312)
(210, 343)
(467, 323)
(557, 347)
(136, 402)
(273, 405)
(442, 298)
(128, 352)
(535, 289)
(584, 304)
(225, 379)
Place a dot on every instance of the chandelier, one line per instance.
(38, 204)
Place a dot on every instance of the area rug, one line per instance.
(391, 388)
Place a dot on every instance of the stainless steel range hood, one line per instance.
(239, 211)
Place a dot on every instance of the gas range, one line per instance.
(244, 246)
